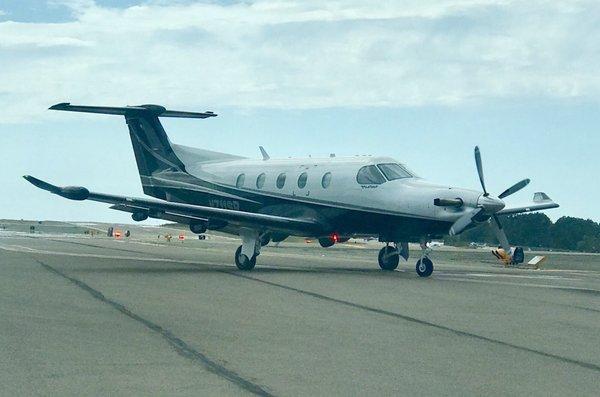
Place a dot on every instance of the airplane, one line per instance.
(329, 199)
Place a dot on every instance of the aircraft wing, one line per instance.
(541, 201)
(189, 212)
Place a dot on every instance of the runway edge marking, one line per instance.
(181, 347)
(582, 364)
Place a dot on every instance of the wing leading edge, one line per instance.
(180, 211)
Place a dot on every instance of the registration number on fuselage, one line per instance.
(226, 204)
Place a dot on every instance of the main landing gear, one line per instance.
(389, 257)
(245, 255)
(242, 261)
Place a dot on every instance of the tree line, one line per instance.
(538, 231)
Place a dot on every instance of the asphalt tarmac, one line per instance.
(95, 316)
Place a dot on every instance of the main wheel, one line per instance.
(424, 267)
(388, 258)
(242, 262)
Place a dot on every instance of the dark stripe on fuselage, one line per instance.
(189, 189)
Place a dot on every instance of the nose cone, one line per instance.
(490, 204)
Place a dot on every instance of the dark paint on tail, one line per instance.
(151, 146)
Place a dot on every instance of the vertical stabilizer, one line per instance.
(151, 146)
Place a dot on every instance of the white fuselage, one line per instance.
(411, 196)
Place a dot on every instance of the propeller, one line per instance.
(500, 234)
(464, 221)
(514, 188)
(487, 207)
(480, 170)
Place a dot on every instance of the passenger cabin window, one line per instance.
(281, 180)
(260, 181)
(302, 180)
(369, 175)
(240, 180)
(394, 171)
(326, 180)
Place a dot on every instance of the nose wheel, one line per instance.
(424, 267)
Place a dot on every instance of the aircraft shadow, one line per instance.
(230, 269)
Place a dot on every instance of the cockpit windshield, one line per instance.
(394, 171)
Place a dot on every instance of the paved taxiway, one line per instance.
(84, 316)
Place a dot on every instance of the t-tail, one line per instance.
(154, 153)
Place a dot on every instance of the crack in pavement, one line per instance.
(180, 346)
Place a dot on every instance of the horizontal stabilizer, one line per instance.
(155, 110)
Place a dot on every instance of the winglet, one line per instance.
(71, 192)
(539, 197)
(264, 153)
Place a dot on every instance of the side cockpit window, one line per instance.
(394, 171)
(369, 175)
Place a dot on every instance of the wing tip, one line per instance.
(31, 179)
(60, 106)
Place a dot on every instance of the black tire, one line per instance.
(388, 260)
(242, 262)
(424, 267)
(264, 240)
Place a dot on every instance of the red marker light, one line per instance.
(335, 237)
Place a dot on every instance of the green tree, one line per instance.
(537, 230)
(567, 232)
(529, 230)
(589, 244)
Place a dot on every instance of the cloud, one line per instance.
(301, 54)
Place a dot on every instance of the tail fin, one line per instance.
(153, 150)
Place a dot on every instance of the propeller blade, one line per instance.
(514, 188)
(463, 222)
(500, 234)
(480, 169)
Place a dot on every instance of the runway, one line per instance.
(88, 316)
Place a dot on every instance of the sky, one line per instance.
(420, 80)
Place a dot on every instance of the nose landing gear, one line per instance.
(389, 257)
(424, 265)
